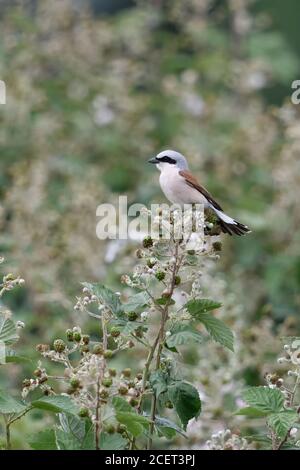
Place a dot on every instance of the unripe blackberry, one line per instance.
(98, 349)
(191, 252)
(132, 316)
(160, 275)
(74, 382)
(123, 389)
(121, 428)
(131, 384)
(26, 383)
(115, 332)
(147, 242)
(107, 382)
(126, 372)
(133, 402)
(83, 412)
(86, 339)
(108, 354)
(84, 348)
(59, 345)
(139, 376)
(177, 280)
(104, 393)
(77, 336)
(70, 335)
(110, 429)
(112, 372)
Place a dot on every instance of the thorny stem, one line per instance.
(292, 398)
(161, 336)
(98, 422)
(9, 422)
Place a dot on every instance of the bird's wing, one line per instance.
(191, 181)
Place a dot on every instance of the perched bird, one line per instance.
(181, 187)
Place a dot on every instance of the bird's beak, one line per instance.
(153, 160)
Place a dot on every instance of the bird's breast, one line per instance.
(177, 191)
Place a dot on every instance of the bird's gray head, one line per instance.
(168, 159)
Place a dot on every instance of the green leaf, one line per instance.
(282, 422)
(198, 306)
(74, 433)
(107, 296)
(134, 423)
(44, 440)
(120, 404)
(11, 356)
(57, 404)
(72, 425)
(163, 423)
(136, 301)
(186, 401)
(268, 400)
(217, 330)
(112, 441)
(158, 381)
(251, 412)
(8, 331)
(215, 327)
(9, 405)
(183, 334)
(66, 441)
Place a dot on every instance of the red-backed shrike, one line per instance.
(181, 187)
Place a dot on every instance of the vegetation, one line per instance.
(162, 347)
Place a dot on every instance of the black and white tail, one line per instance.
(230, 225)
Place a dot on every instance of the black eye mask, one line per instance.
(166, 159)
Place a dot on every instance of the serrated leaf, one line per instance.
(57, 404)
(183, 334)
(120, 404)
(72, 425)
(186, 401)
(134, 423)
(268, 400)
(112, 442)
(197, 306)
(282, 422)
(217, 330)
(8, 331)
(136, 302)
(44, 440)
(158, 382)
(251, 412)
(9, 405)
(66, 441)
(107, 296)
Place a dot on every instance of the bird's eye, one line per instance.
(167, 159)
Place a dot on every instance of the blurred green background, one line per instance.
(94, 89)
